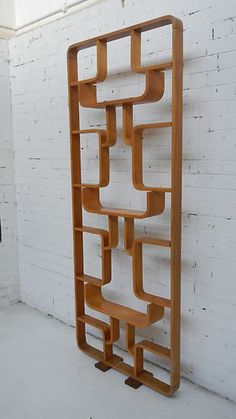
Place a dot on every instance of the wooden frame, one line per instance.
(88, 290)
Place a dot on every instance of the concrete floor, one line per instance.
(44, 376)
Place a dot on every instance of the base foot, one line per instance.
(101, 366)
(130, 381)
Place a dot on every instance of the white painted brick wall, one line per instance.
(9, 285)
(41, 141)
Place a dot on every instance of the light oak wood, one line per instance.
(95, 300)
(153, 92)
(88, 289)
(91, 203)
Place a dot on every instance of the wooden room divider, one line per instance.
(88, 289)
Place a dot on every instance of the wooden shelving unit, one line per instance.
(88, 289)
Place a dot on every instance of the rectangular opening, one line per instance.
(157, 157)
(121, 82)
(156, 270)
(89, 146)
(92, 255)
(156, 46)
(87, 63)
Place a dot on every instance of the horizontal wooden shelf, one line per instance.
(89, 279)
(154, 91)
(146, 189)
(153, 299)
(99, 324)
(106, 330)
(153, 125)
(95, 300)
(94, 230)
(110, 331)
(91, 203)
(154, 241)
(109, 238)
(88, 131)
(154, 348)
(107, 138)
(158, 67)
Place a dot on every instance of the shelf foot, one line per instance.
(101, 366)
(131, 382)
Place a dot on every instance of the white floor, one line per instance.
(44, 376)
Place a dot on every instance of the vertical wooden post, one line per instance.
(176, 186)
(76, 193)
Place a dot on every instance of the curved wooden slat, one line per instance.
(91, 203)
(96, 301)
